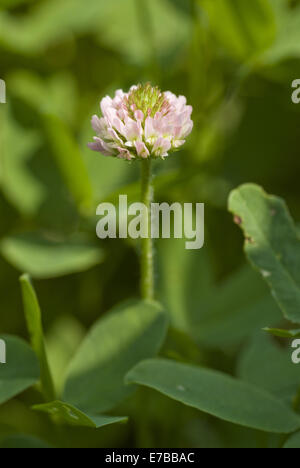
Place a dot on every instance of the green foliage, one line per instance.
(267, 365)
(272, 244)
(23, 441)
(246, 29)
(44, 257)
(216, 315)
(283, 333)
(293, 441)
(69, 161)
(217, 394)
(129, 333)
(68, 414)
(12, 3)
(235, 61)
(23, 370)
(287, 40)
(62, 341)
(34, 324)
(17, 181)
(46, 96)
(54, 20)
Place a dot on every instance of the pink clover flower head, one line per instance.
(142, 123)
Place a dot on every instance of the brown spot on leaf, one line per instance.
(238, 220)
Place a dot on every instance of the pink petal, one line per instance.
(114, 136)
(178, 143)
(150, 131)
(122, 114)
(105, 104)
(177, 131)
(120, 94)
(161, 146)
(119, 126)
(96, 124)
(181, 103)
(163, 126)
(139, 115)
(100, 146)
(186, 114)
(110, 115)
(142, 149)
(133, 130)
(158, 116)
(187, 129)
(124, 154)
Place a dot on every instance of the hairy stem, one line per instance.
(147, 273)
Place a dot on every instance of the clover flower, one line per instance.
(142, 123)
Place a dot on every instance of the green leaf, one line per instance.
(293, 442)
(244, 28)
(239, 307)
(168, 29)
(128, 334)
(45, 96)
(186, 280)
(216, 315)
(62, 341)
(50, 22)
(236, 325)
(34, 324)
(13, 3)
(53, 21)
(21, 370)
(29, 177)
(286, 45)
(283, 333)
(68, 414)
(217, 394)
(23, 441)
(18, 183)
(267, 365)
(272, 243)
(43, 257)
(69, 161)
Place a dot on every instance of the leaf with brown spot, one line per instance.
(272, 244)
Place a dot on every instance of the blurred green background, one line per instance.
(235, 60)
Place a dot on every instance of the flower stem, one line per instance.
(147, 274)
